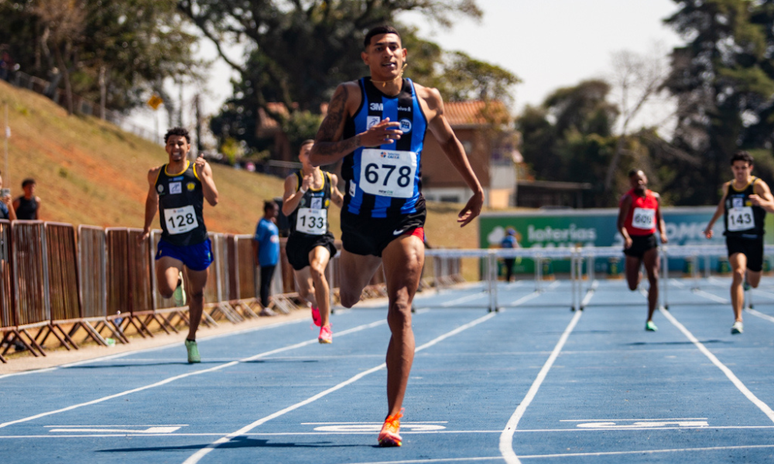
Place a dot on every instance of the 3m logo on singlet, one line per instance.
(376, 107)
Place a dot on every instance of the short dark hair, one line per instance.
(269, 204)
(378, 30)
(181, 131)
(306, 142)
(742, 156)
(634, 172)
(28, 181)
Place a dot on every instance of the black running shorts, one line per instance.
(752, 248)
(370, 236)
(641, 244)
(300, 245)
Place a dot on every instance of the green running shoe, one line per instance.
(179, 294)
(193, 352)
(650, 326)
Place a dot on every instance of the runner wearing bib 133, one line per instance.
(743, 207)
(639, 217)
(308, 194)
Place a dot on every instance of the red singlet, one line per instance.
(641, 219)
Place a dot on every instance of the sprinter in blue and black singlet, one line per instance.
(178, 190)
(742, 207)
(308, 194)
(377, 125)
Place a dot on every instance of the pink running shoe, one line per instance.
(316, 316)
(326, 336)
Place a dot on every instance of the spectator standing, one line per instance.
(266, 249)
(6, 205)
(509, 242)
(27, 206)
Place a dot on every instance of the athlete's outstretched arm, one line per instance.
(762, 196)
(623, 211)
(453, 149)
(336, 196)
(151, 202)
(328, 144)
(660, 220)
(718, 211)
(208, 184)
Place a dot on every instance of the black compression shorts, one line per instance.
(640, 245)
(752, 248)
(300, 245)
(370, 236)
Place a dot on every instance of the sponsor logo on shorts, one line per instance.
(398, 232)
(175, 187)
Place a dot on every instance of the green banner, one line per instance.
(596, 227)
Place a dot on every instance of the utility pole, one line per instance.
(198, 126)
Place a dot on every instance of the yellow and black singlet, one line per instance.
(181, 202)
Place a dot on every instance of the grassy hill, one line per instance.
(90, 172)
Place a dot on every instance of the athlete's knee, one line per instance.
(197, 295)
(317, 271)
(738, 274)
(399, 317)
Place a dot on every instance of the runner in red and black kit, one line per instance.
(743, 206)
(639, 217)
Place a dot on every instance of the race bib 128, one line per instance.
(180, 220)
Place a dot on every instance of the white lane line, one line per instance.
(147, 350)
(463, 299)
(189, 374)
(711, 296)
(733, 378)
(506, 437)
(532, 295)
(763, 293)
(634, 420)
(677, 283)
(196, 457)
(760, 314)
(590, 293)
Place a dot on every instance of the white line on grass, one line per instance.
(506, 437)
(189, 374)
(733, 378)
(196, 457)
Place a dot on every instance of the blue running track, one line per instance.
(535, 382)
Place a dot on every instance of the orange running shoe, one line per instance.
(389, 434)
(326, 336)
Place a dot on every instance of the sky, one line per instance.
(548, 44)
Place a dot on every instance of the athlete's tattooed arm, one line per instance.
(151, 202)
(328, 144)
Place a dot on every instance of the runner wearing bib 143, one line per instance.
(743, 207)
(639, 217)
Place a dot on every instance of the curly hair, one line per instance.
(181, 131)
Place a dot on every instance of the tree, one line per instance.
(299, 51)
(719, 77)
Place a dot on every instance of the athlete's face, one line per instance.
(177, 147)
(303, 155)
(385, 56)
(639, 181)
(742, 170)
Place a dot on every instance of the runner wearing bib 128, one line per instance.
(178, 190)
(639, 217)
(308, 194)
(743, 207)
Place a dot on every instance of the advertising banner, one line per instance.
(597, 227)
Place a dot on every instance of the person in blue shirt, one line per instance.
(509, 242)
(266, 248)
